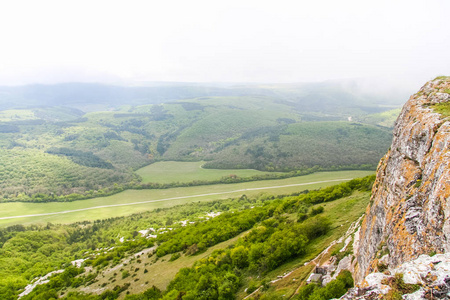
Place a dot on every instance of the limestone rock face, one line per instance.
(409, 214)
(430, 273)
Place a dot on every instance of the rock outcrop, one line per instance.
(409, 214)
(423, 278)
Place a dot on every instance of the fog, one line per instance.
(133, 42)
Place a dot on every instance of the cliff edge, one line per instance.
(409, 213)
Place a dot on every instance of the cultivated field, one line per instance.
(134, 201)
(174, 171)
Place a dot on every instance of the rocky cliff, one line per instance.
(409, 214)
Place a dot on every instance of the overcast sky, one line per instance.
(222, 41)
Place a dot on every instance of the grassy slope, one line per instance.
(171, 171)
(132, 196)
(342, 213)
(159, 274)
(16, 115)
(443, 108)
(386, 118)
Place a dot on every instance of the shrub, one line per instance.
(125, 274)
(397, 284)
(317, 210)
(175, 256)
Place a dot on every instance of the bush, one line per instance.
(125, 274)
(252, 286)
(397, 284)
(334, 289)
(317, 210)
(302, 217)
(175, 256)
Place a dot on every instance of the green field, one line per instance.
(386, 118)
(173, 171)
(129, 201)
(16, 114)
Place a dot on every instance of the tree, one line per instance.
(239, 257)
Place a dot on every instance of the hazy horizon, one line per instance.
(139, 42)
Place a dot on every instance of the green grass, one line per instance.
(271, 187)
(172, 171)
(16, 115)
(442, 108)
(386, 118)
(159, 273)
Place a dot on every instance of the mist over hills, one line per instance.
(304, 96)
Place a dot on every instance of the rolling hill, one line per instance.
(55, 149)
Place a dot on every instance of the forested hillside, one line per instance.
(61, 153)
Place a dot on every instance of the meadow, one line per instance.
(135, 201)
(172, 171)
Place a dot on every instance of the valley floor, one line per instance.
(134, 201)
